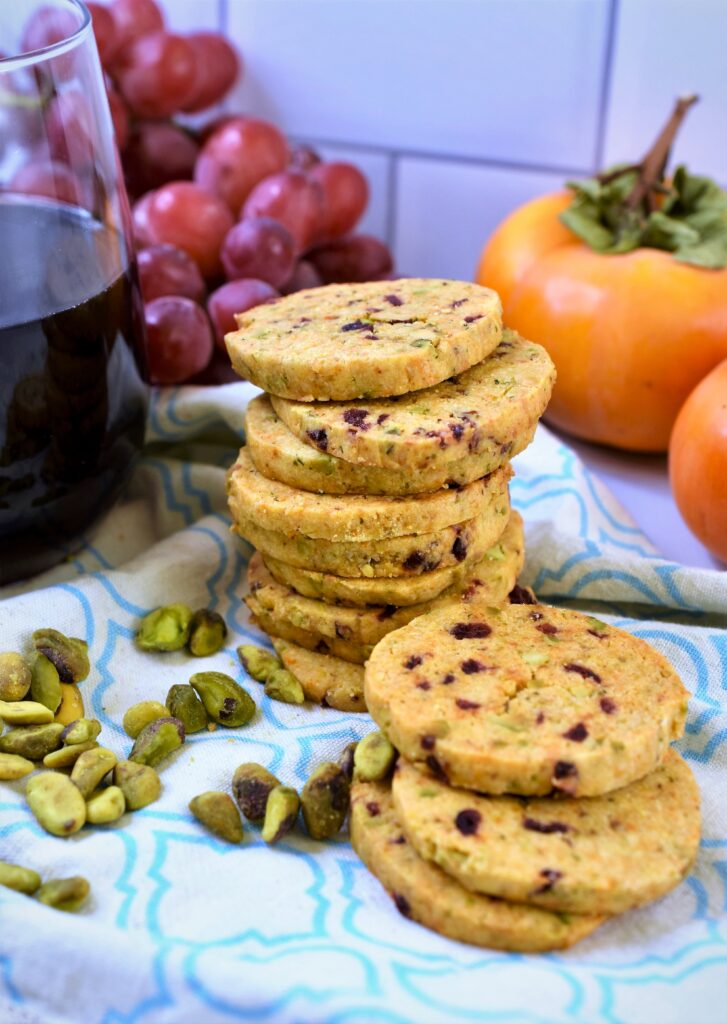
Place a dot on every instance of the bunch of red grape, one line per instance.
(227, 216)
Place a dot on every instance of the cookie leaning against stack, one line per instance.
(356, 541)
(572, 715)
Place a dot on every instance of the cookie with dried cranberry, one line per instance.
(425, 894)
(482, 576)
(326, 680)
(409, 555)
(276, 506)
(489, 413)
(599, 855)
(280, 455)
(525, 699)
(279, 628)
(350, 341)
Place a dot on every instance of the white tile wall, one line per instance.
(459, 110)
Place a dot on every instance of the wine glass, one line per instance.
(72, 346)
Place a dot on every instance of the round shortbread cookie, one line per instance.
(398, 556)
(280, 455)
(598, 855)
(343, 518)
(357, 654)
(525, 699)
(493, 570)
(326, 680)
(424, 893)
(347, 341)
(487, 411)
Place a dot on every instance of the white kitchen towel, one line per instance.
(185, 929)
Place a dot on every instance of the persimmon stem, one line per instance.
(652, 167)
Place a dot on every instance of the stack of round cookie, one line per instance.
(374, 481)
(536, 793)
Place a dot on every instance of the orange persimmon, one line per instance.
(698, 461)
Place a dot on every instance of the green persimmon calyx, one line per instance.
(632, 206)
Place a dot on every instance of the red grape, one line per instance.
(236, 297)
(303, 157)
(238, 155)
(167, 270)
(305, 275)
(210, 127)
(140, 221)
(217, 69)
(104, 29)
(356, 258)
(156, 74)
(259, 248)
(135, 18)
(47, 25)
(293, 199)
(158, 152)
(48, 178)
(70, 128)
(183, 214)
(180, 339)
(119, 116)
(346, 194)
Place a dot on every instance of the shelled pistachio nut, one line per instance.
(81, 731)
(56, 803)
(138, 716)
(67, 894)
(282, 685)
(251, 786)
(45, 685)
(258, 662)
(217, 812)
(24, 712)
(91, 768)
(69, 654)
(13, 766)
(225, 700)
(165, 629)
(184, 704)
(374, 758)
(66, 757)
(139, 783)
(207, 633)
(281, 812)
(13, 876)
(158, 740)
(105, 806)
(15, 677)
(71, 706)
(324, 800)
(32, 741)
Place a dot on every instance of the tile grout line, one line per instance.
(606, 82)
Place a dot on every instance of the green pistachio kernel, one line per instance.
(258, 662)
(67, 894)
(68, 654)
(91, 768)
(374, 758)
(184, 704)
(32, 741)
(138, 716)
(13, 876)
(15, 676)
(139, 783)
(66, 757)
(325, 800)
(283, 686)
(217, 812)
(24, 712)
(45, 686)
(281, 811)
(207, 633)
(165, 629)
(81, 731)
(56, 803)
(225, 700)
(251, 786)
(105, 806)
(12, 766)
(157, 741)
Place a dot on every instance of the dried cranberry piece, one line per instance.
(394, 300)
(546, 827)
(468, 821)
(355, 417)
(356, 325)
(428, 742)
(467, 705)
(446, 680)
(471, 319)
(521, 595)
(577, 733)
(551, 876)
(547, 628)
(414, 561)
(412, 661)
(319, 438)
(382, 418)
(470, 630)
(436, 769)
(471, 666)
(581, 670)
(607, 705)
(424, 685)
(564, 770)
(373, 808)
